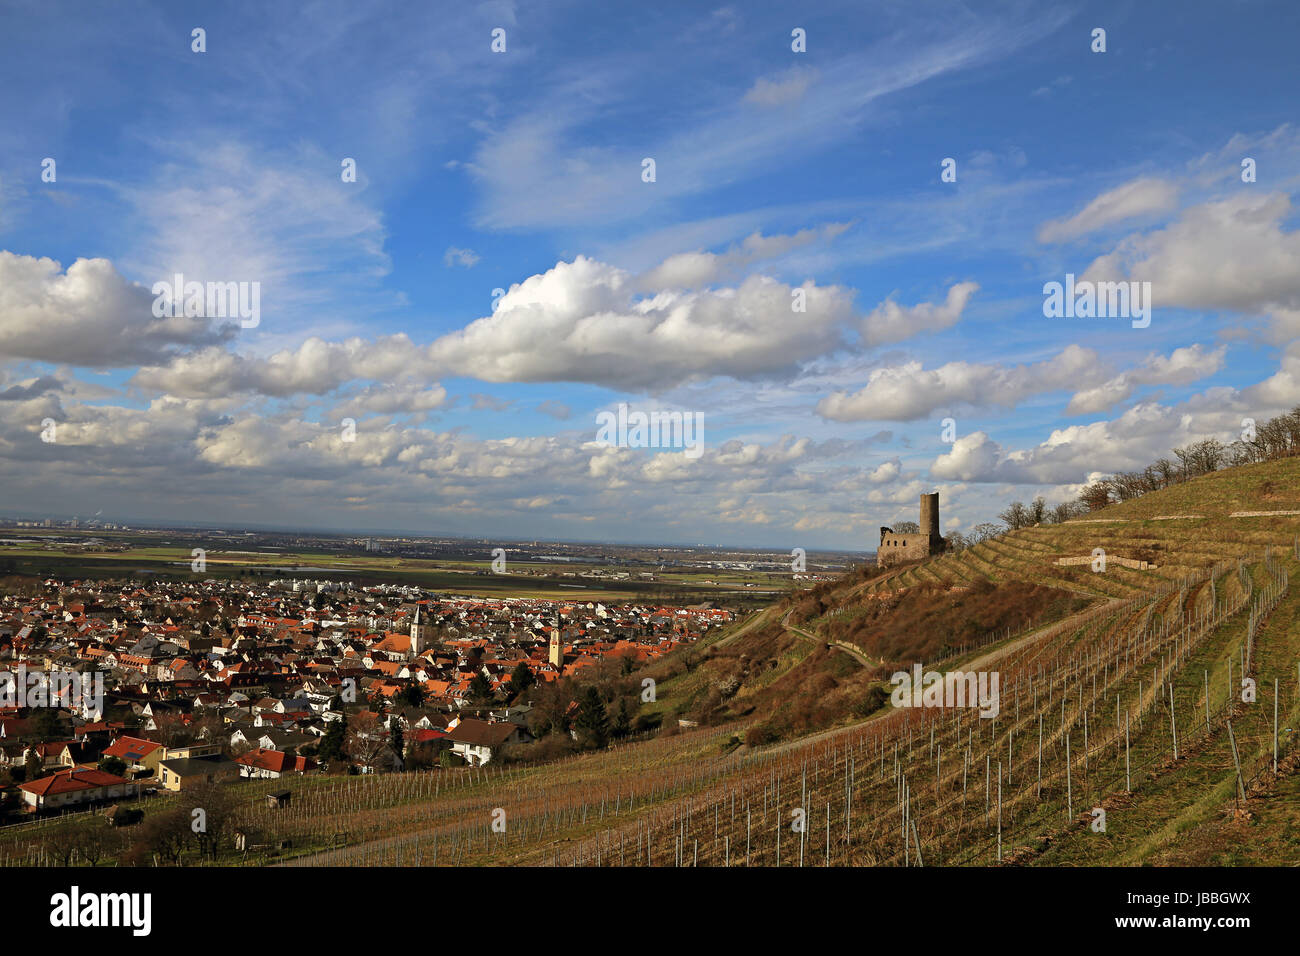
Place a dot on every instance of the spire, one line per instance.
(417, 632)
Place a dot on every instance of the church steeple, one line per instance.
(556, 649)
(417, 634)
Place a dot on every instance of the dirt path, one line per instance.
(853, 652)
(746, 626)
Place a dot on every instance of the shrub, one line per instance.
(875, 698)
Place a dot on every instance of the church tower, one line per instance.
(417, 634)
(557, 649)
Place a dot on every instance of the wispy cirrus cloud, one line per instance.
(534, 172)
(1140, 197)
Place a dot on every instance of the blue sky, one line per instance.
(521, 171)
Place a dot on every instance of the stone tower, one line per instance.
(930, 515)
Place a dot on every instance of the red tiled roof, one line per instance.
(481, 733)
(131, 748)
(276, 760)
(69, 781)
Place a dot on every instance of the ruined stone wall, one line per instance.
(896, 546)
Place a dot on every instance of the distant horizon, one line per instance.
(163, 525)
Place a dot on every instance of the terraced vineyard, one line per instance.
(1086, 723)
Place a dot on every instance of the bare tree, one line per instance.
(218, 804)
(1208, 455)
(1128, 485)
(1016, 516)
(1167, 471)
(91, 837)
(1037, 510)
(1242, 453)
(1096, 495)
(1065, 511)
(162, 836)
(366, 739)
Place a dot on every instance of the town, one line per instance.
(205, 682)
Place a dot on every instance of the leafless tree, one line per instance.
(1166, 471)
(1037, 510)
(1064, 512)
(162, 836)
(91, 837)
(218, 803)
(366, 739)
(1016, 516)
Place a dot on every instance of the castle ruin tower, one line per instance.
(930, 516)
(898, 546)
